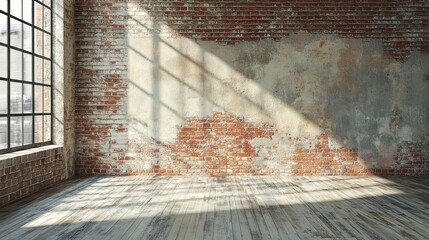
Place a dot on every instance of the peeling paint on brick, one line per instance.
(326, 160)
(219, 145)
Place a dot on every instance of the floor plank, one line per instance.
(246, 207)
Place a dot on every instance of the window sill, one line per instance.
(27, 152)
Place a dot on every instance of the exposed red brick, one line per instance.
(402, 26)
(324, 160)
(410, 159)
(218, 145)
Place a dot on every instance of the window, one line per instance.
(25, 74)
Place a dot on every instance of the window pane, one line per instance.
(38, 45)
(15, 97)
(47, 20)
(3, 132)
(28, 98)
(28, 67)
(28, 130)
(15, 64)
(16, 8)
(28, 38)
(15, 131)
(3, 5)
(47, 45)
(15, 33)
(38, 129)
(38, 71)
(46, 99)
(38, 99)
(22, 63)
(47, 72)
(3, 61)
(38, 15)
(28, 13)
(47, 128)
(3, 28)
(47, 2)
(3, 97)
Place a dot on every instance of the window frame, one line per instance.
(32, 81)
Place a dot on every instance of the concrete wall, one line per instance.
(227, 88)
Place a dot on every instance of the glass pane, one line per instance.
(15, 64)
(16, 8)
(15, 97)
(38, 71)
(47, 128)
(38, 129)
(28, 38)
(15, 33)
(47, 2)
(28, 98)
(3, 97)
(38, 15)
(3, 5)
(38, 99)
(3, 132)
(28, 13)
(47, 45)
(46, 99)
(38, 45)
(3, 27)
(47, 72)
(47, 20)
(28, 130)
(3, 61)
(28, 67)
(15, 131)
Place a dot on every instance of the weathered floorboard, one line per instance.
(253, 207)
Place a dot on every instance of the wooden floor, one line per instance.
(259, 207)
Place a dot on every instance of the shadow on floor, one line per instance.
(146, 207)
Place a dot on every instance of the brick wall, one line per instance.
(101, 70)
(27, 172)
(401, 25)
(105, 31)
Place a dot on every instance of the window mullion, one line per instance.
(51, 71)
(33, 71)
(43, 76)
(22, 72)
(8, 75)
